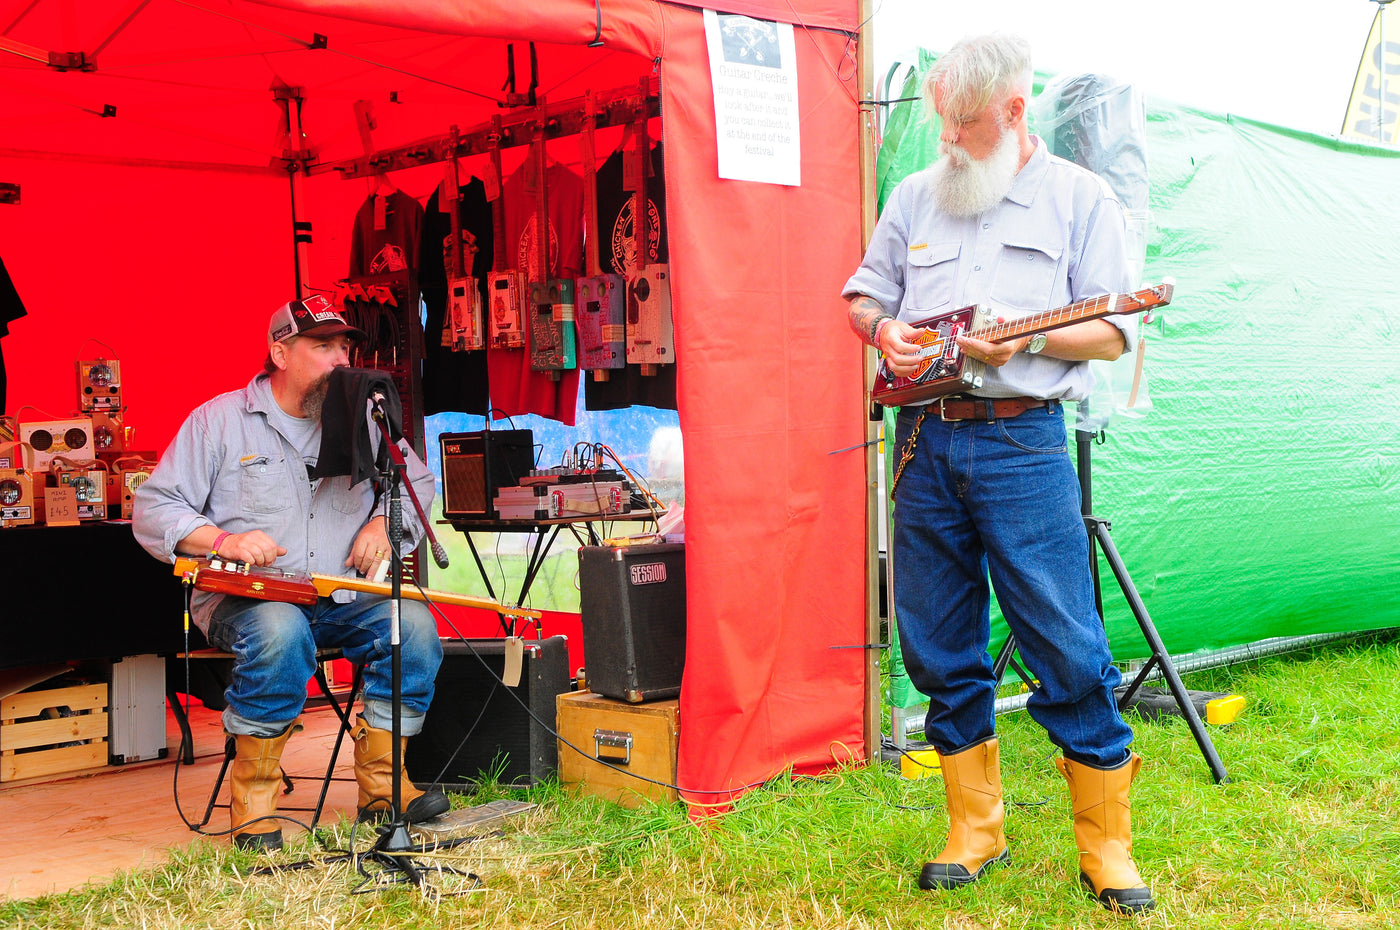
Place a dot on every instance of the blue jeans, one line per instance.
(274, 646)
(1000, 498)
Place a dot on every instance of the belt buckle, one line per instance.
(942, 413)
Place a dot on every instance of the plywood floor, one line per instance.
(62, 833)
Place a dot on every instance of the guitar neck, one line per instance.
(326, 584)
(1078, 312)
(297, 588)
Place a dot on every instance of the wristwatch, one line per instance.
(1037, 343)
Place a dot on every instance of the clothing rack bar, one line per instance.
(564, 118)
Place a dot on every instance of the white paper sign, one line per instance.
(753, 67)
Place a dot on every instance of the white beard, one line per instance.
(964, 186)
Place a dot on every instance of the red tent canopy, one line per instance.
(155, 221)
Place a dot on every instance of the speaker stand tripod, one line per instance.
(1099, 536)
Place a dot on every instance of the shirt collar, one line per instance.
(1030, 177)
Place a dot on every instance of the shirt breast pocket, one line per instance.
(353, 500)
(1026, 274)
(263, 484)
(931, 276)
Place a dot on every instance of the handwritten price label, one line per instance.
(61, 506)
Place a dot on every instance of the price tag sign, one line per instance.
(61, 506)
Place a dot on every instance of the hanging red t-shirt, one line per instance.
(515, 387)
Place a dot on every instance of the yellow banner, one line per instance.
(1373, 113)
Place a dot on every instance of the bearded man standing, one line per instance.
(985, 484)
(235, 485)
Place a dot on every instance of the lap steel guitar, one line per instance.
(273, 584)
(943, 369)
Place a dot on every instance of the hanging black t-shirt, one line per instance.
(11, 308)
(617, 255)
(453, 382)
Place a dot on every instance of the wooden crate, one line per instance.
(23, 727)
(634, 739)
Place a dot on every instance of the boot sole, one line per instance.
(1121, 900)
(936, 875)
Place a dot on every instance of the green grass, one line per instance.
(1303, 835)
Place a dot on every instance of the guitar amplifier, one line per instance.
(632, 601)
(477, 728)
(475, 465)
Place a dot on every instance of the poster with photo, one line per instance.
(753, 67)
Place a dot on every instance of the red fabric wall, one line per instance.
(177, 270)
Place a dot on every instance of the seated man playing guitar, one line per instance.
(234, 485)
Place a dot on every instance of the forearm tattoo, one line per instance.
(866, 315)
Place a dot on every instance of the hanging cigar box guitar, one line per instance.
(274, 584)
(505, 293)
(552, 338)
(650, 334)
(601, 317)
(944, 369)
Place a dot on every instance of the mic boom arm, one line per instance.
(439, 553)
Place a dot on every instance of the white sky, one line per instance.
(1289, 62)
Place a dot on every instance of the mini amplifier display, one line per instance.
(463, 316)
(552, 339)
(650, 340)
(88, 479)
(48, 438)
(16, 497)
(475, 465)
(601, 316)
(505, 296)
(126, 475)
(99, 385)
(108, 434)
(16, 486)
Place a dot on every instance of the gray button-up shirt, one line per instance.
(1058, 237)
(229, 466)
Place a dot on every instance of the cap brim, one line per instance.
(329, 329)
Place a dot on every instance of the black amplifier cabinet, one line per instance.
(476, 727)
(475, 464)
(632, 601)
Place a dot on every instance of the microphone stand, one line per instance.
(393, 834)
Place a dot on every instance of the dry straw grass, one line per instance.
(1304, 835)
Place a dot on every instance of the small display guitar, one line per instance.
(273, 584)
(943, 369)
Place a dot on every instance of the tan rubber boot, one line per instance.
(255, 775)
(1103, 832)
(373, 773)
(972, 781)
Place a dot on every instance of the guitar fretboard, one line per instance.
(1092, 308)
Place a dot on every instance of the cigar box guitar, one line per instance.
(944, 369)
(273, 584)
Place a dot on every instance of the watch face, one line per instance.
(1037, 343)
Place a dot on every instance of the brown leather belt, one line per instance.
(962, 407)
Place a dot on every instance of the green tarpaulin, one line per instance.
(1260, 494)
